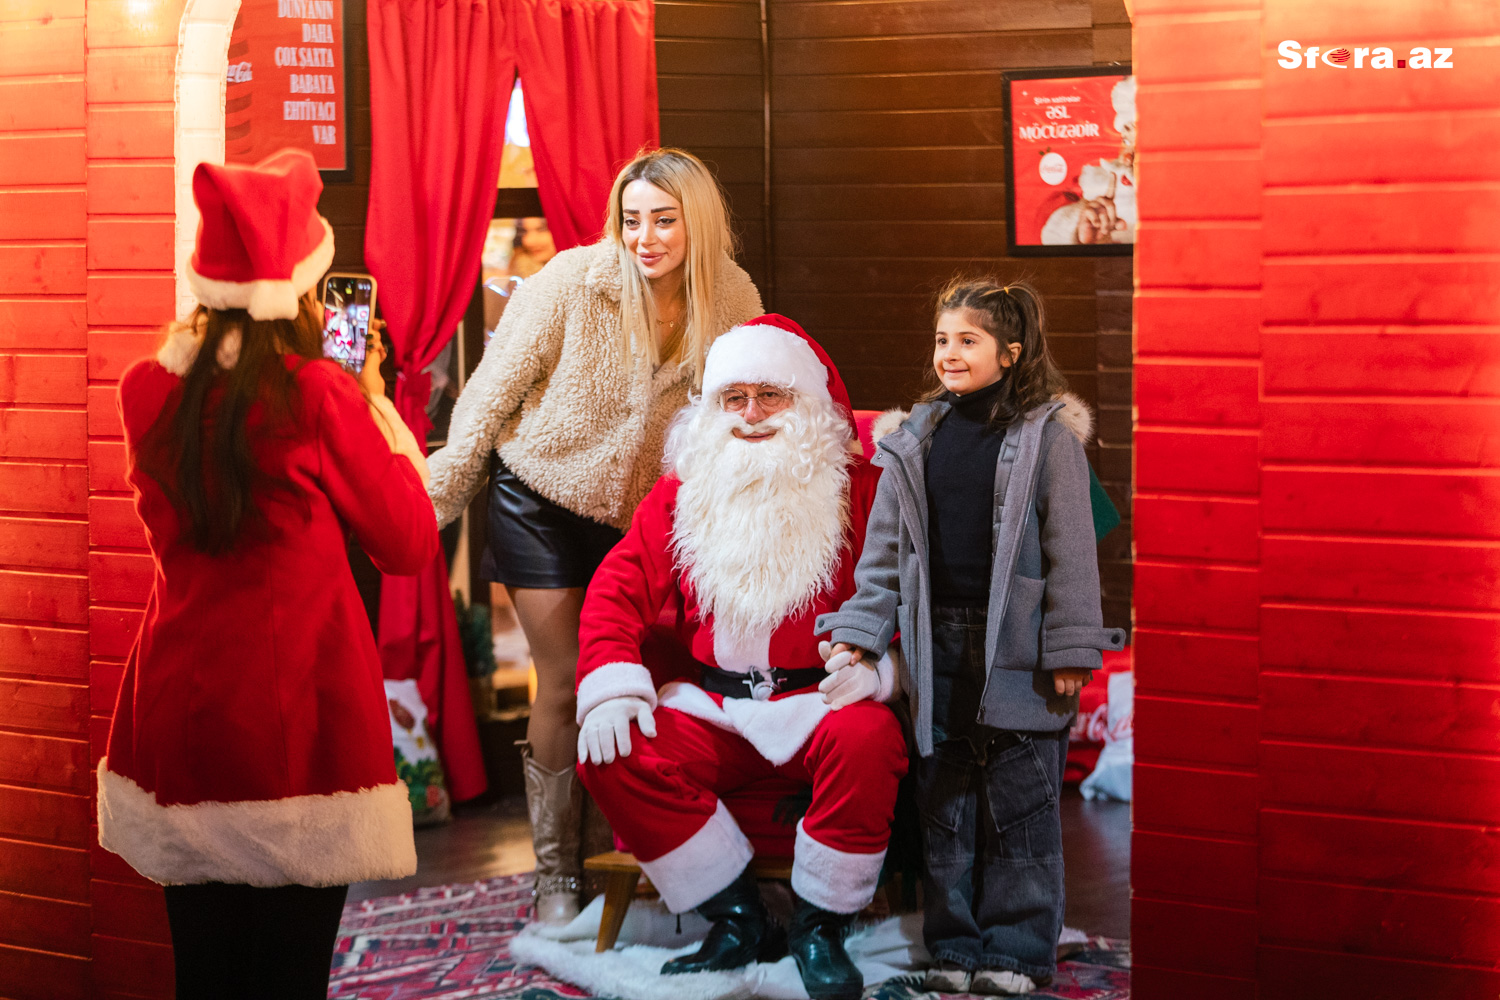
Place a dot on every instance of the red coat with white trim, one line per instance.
(251, 742)
(639, 580)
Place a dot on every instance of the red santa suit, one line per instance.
(663, 799)
(251, 741)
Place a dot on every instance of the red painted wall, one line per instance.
(45, 915)
(86, 218)
(1317, 512)
(132, 50)
(1317, 479)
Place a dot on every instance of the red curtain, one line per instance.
(441, 73)
(440, 78)
(588, 73)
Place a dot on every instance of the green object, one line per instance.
(425, 788)
(474, 636)
(1106, 516)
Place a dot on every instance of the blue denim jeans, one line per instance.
(992, 828)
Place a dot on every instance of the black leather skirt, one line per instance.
(536, 543)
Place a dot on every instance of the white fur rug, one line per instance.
(632, 971)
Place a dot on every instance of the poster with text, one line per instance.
(286, 82)
(1072, 162)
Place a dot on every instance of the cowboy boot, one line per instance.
(816, 941)
(742, 931)
(554, 800)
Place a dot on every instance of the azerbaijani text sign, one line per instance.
(1071, 161)
(286, 82)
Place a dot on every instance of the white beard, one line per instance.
(759, 525)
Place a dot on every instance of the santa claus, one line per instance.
(754, 532)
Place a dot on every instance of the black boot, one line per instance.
(743, 931)
(816, 940)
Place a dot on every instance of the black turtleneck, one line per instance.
(961, 500)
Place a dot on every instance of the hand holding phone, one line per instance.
(348, 306)
(369, 376)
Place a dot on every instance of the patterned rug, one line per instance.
(452, 943)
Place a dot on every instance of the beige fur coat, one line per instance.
(554, 395)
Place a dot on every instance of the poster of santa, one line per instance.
(285, 84)
(1070, 161)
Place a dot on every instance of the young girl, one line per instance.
(980, 552)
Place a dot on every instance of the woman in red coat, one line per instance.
(249, 767)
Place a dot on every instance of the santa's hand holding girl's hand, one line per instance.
(849, 679)
(605, 732)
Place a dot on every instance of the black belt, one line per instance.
(731, 684)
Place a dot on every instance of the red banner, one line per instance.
(1073, 149)
(286, 82)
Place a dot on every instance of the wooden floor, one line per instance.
(480, 843)
(495, 840)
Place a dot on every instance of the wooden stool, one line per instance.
(623, 881)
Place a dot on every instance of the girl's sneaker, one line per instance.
(1000, 983)
(945, 977)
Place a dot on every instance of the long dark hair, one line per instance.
(201, 452)
(1012, 314)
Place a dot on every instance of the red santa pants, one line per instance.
(664, 802)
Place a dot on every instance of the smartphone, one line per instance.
(348, 304)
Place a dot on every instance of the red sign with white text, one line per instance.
(1073, 144)
(286, 82)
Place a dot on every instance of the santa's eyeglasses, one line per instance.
(771, 400)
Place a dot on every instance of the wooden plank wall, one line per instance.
(344, 203)
(888, 177)
(888, 166)
(1318, 751)
(131, 293)
(45, 919)
(1197, 533)
(708, 68)
(1380, 530)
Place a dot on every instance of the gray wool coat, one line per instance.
(1044, 611)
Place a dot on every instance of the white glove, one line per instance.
(847, 681)
(606, 729)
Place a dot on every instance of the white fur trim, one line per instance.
(764, 353)
(316, 840)
(1075, 416)
(885, 669)
(178, 352)
(887, 422)
(835, 880)
(614, 680)
(267, 298)
(398, 435)
(777, 729)
(742, 653)
(702, 865)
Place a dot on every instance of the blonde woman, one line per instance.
(592, 357)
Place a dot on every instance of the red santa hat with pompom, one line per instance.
(774, 350)
(261, 242)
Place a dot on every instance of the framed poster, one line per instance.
(1070, 162)
(286, 84)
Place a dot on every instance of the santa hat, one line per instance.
(261, 242)
(774, 350)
